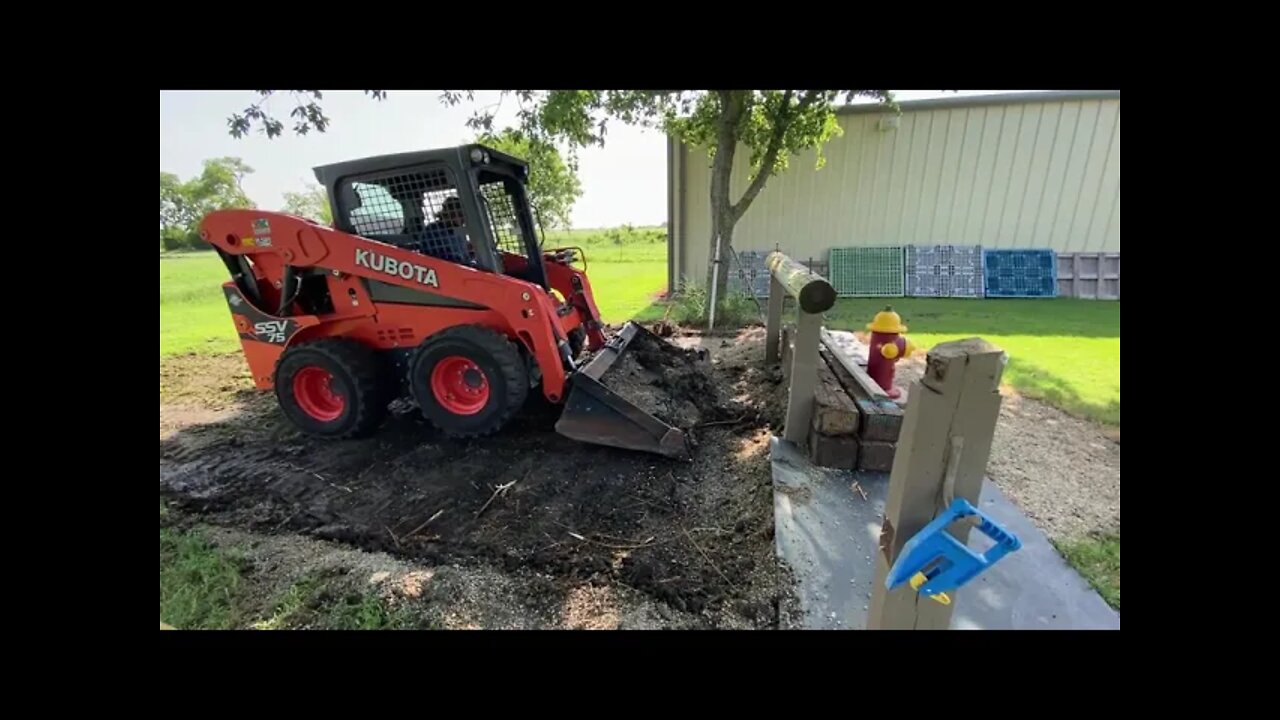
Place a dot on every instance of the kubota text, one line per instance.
(396, 268)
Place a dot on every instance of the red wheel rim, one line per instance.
(312, 391)
(459, 385)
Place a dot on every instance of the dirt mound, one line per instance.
(698, 537)
(672, 383)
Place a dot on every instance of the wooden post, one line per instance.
(812, 291)
(942, 454)
(804, 378)
(773, 325)
(814, 295)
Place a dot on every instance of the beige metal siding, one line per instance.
(1040, 174)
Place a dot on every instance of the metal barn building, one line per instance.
(1014, 171)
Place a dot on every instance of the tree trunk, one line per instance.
(732, 106)
(724, 213)
(722, 226)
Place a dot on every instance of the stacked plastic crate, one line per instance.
(867, 271)
(1020, 273)
(944, 271)
(1094, 276)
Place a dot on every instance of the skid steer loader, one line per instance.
(431, 284)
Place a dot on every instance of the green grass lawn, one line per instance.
(1063, 351)
(626, 277)
(207, 587)
(198, 584)
(1098, 560)
(193, 315)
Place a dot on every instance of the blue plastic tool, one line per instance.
(934, 562)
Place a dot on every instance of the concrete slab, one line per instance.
(827, 534)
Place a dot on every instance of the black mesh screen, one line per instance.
(501, 209)
(418, 210)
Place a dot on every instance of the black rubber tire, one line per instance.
(499, 360)
(356, 376)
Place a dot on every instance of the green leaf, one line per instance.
(184, 204)
(553, 184)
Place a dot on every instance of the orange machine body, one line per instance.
(390, 298)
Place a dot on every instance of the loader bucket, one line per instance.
(595, 414)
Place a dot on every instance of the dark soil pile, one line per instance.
(674, 384)
(695, 536)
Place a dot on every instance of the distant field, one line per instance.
(628, 270)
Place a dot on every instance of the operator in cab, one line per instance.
(445, 238)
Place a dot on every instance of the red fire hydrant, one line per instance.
(888, 346)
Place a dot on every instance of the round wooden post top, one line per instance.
(810, 289)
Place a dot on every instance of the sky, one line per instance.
(623, 182)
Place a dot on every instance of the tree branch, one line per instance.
(782, 120)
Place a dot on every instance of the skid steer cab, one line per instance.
(431, 284)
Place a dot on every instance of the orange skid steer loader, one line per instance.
(431, 284)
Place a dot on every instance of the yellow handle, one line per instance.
(889, 351)
(919, 580)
